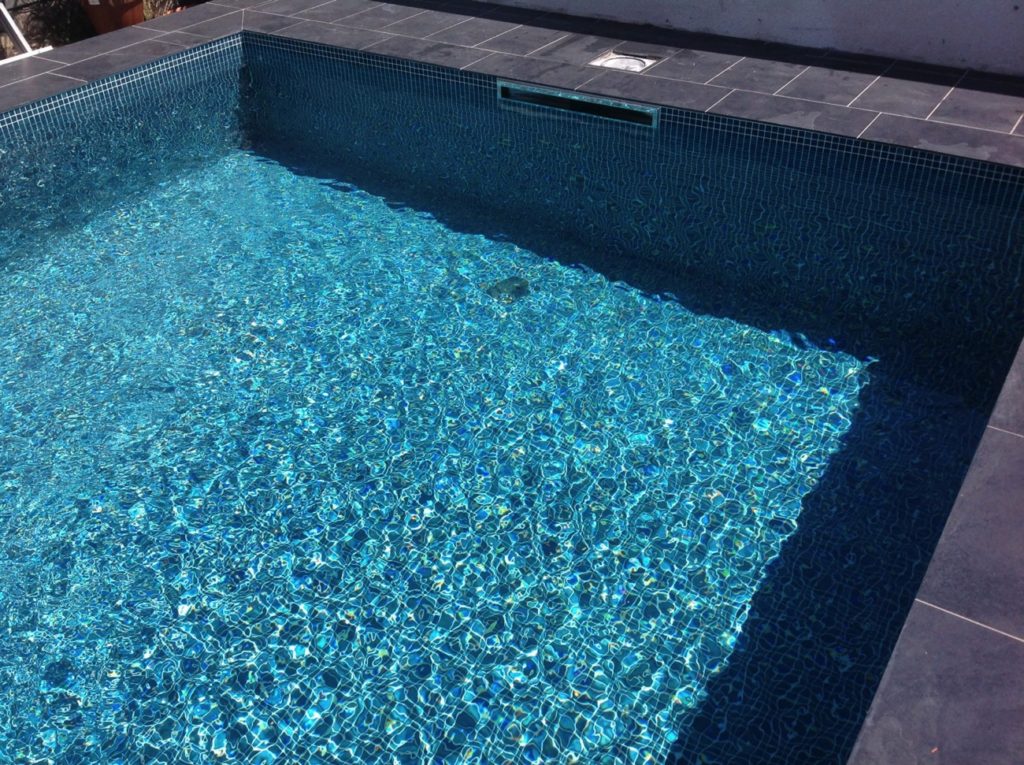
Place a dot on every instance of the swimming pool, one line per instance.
(366, 417)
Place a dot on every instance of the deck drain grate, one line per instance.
(624, 62)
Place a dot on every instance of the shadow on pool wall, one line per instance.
(916, 267)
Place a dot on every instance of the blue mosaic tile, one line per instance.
(365, 417)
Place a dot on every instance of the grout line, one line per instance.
(106, 52)
(948, 94)
(972, 621)
(708, 82)
(456, 24)
(553, 42)
(942, 122)
(542, 47)
(472, 63)
(436, 31)
(384, 28)
(1007, 432)
(587, 82)
(790, 82)
(716, 103)
(877, 78)
(517, 26)
(862, 132)
(1017, 123)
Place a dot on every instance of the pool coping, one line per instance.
(943, 110)
(949, 688)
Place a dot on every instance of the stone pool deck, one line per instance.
(951, 692)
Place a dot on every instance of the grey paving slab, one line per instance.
(830, 86)
(13, 71)
(977, 569)
(289, 7)
(977, 108)
(549, 72)
(693, 65)
(240, 3)
(332, 34)
(382, 15)
(426, 23)
(334, 11)
(951, 695)
(473, 31)
(578, 49)
(908, 97)
(1009, 410)
(793, 112)
(254, 21)
(120, 60)
(429, 51)
(184, 39)
(34, 88)
(646, 49)
(94, 46)
(211, 29)
(947, 139)
(174, 22)
(758, 74)
(523, 39)
(684, 95)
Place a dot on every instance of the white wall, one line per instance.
(977, 34)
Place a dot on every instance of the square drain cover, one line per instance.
(625, 62)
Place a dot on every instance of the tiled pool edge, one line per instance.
(951, 690)
(566, 43)
(925, 699)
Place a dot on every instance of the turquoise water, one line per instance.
(293, 474)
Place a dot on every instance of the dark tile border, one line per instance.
(943, 110)
(929, 698)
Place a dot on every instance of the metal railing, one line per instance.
(9, 25)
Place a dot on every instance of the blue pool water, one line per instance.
(350, 415)
(286, 475)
